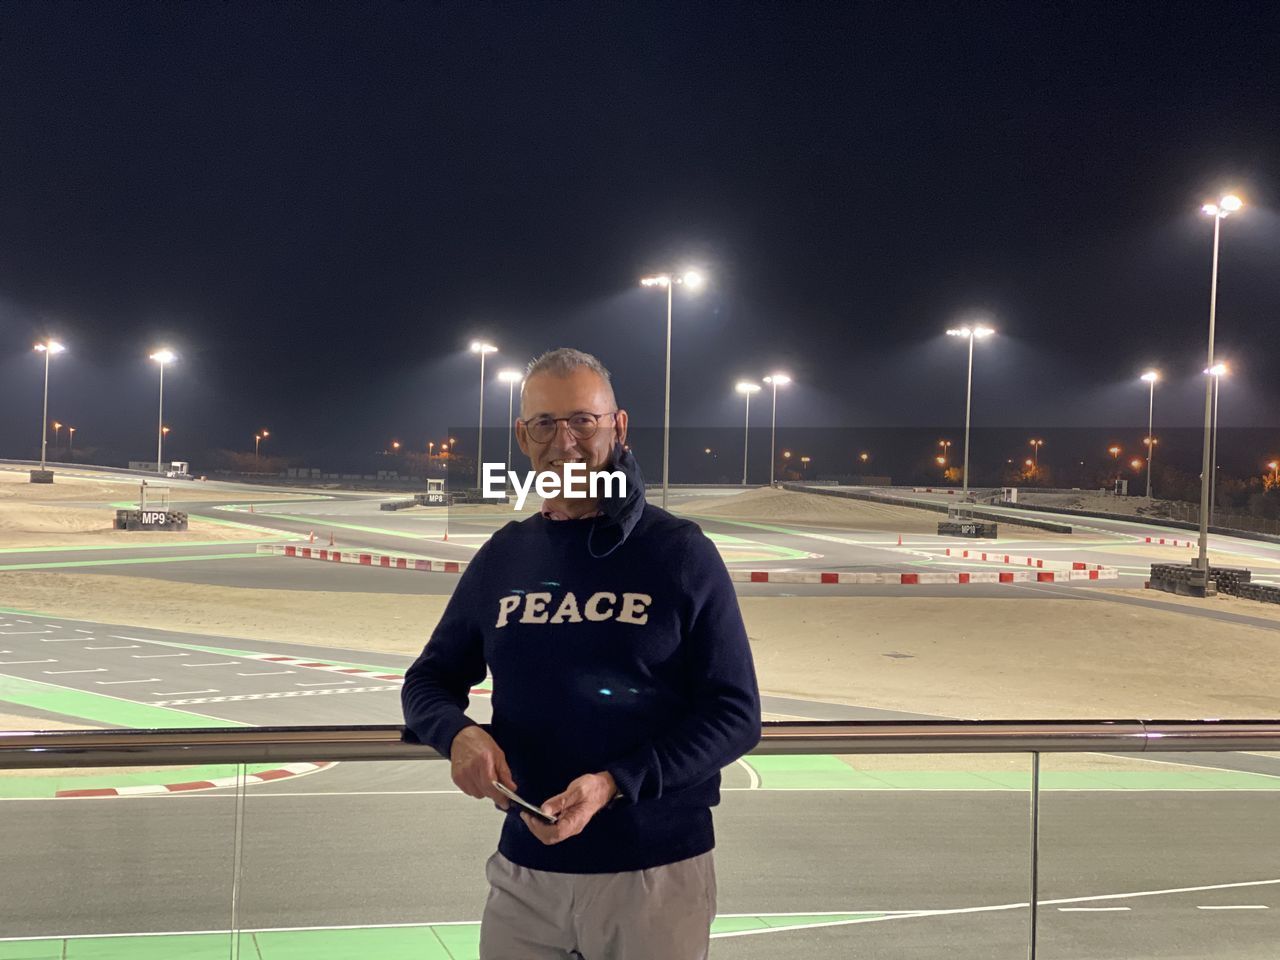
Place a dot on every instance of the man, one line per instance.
(622, 684)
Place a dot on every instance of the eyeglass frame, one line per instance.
(556, 421)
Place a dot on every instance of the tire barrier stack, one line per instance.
(397, 504)
(1235, 581)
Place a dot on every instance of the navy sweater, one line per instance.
(635, 663)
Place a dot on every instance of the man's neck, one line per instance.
(573, 509)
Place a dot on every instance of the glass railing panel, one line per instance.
(874, 855)
(926, 856)
(118, 862)
(1159, 856)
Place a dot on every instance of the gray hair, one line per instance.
(562, 361)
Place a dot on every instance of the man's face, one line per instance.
(583, 391)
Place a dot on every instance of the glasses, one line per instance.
(583, 426)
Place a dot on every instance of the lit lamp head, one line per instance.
(1151, 376)
(778, 379)
(510, 376)
(50, 346)
(1224, 207)
(1218, 370)
(479, 346)
(747, 387)
(164, 356)
(976, 332)
(691, 279)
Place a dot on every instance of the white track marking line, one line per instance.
(266, 673)
(216, 663)
(178, 693)
(753, 777)
(156, 656)
(130, 646)
(56, 672)
(329, 683)
(24, 621)
(1094, 909)
(80, 630)
(12, 663)
(24, 633)
(64, 639)
(1238, 906)
(109, 683)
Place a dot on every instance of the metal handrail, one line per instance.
(114, 748)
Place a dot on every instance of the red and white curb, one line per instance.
(364, 558)
(265, 776)
(1036, 562)
(912, 579)
(1163, 542)
(329, 667)
(950, 491)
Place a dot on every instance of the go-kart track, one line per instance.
(817, 856)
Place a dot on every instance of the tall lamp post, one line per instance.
(510, 378)
(1035, 462)
(48, 348)
(1275, 472)
(1219, 211)
(1217, 371)
(57, 429)
(970, 333)
(71, 441)
(775, 380)
(1150, 378)
(691, 280)
(482, 348)
(161, 357)
(257, 440)
(747, 388)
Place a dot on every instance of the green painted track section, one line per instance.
(832, 773)
(100, 708)
(453, 941)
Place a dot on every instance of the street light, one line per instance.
(976, 332)
(161, 357)
(804, 466)
(1275, 472)
(482, 348)
(48, 348)
(257, 440)
(71, 443)
(1228, 205)
(1217, 371)
(395, 445)
(691, 280)
(946, 450)
(775, 380)
(746, 388)
(1035, 446)
(57, 428)
(510, 378)
(1150, 377)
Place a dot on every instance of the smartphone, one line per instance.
(544, 817)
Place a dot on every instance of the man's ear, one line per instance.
(620, 427)
(522, 439)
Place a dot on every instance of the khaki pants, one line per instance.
(663, 913)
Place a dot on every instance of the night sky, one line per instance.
(319, 206)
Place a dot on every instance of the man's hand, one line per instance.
(475, 761)
(581, 801)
